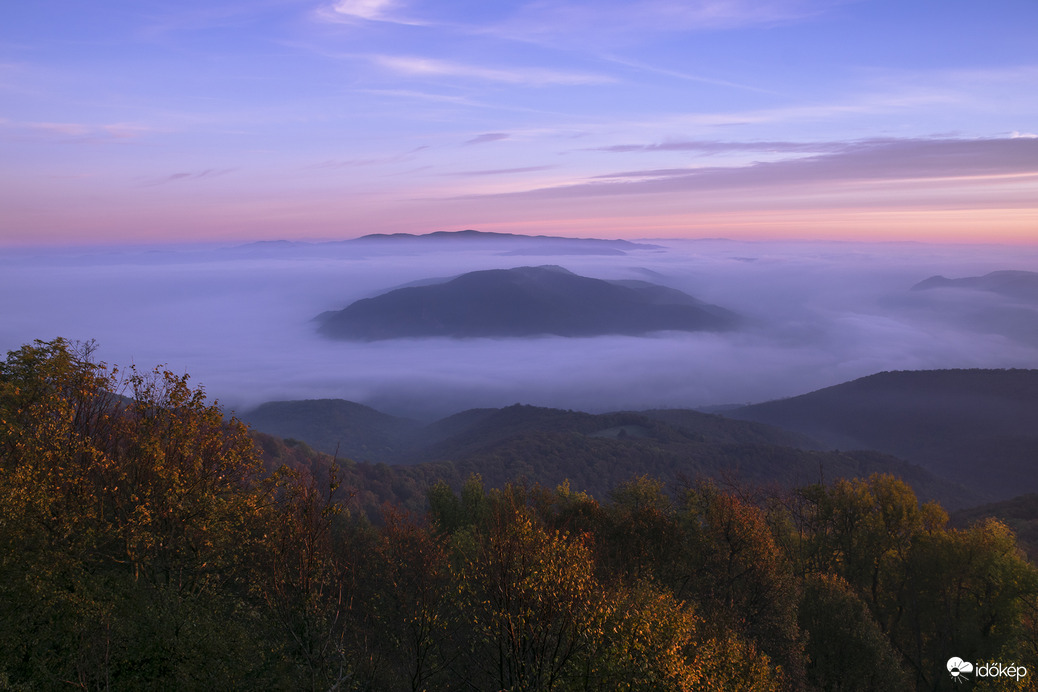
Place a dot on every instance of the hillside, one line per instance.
(334, 426)
(974, 427)
(1018, 513)
(362, 433)
(593, 452)
(520, 302)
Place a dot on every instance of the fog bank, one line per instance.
(239, 321)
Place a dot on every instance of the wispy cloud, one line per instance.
(682, 75)
(179, 177)
(359, 163)
(366, 10)
(462, 101)
(872, 103)
(180, 18)
(66, 129)
(503, 171)
(710, 147)
(625, 20)
(488, 137)
(869, 160)
(531, 76)
(79, 131)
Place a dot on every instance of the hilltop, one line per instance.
(524, 301)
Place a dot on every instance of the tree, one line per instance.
(846, 650)
(306, 577)
(528, 597)
(930, 589)
(123, 522)
(732, 567)
(411, 605)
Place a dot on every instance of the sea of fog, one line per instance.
(239, 321)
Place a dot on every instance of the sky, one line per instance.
(133, 121)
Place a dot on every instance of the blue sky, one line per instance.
(159, 122)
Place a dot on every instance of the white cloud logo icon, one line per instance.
(958, 668)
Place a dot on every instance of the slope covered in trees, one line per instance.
(974, 427)
(144, 545)
(1019, 513)
(523, 302)
(593, 452)
(335, 426)
(365, 434)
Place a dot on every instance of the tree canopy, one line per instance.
(144, 544)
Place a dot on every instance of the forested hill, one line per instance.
(594, 452)
(335, 426)
(523, 302)
(974, 427)
(365, 434)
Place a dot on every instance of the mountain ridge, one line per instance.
(507, 244)
(596, 451)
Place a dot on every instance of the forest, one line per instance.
(148, 542)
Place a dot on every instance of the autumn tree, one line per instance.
(411, 606)
(528, 597)
(123, 520)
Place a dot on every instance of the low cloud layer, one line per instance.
(240, 322)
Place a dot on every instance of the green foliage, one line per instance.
(930, 589)
(846, 650)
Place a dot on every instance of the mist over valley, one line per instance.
(240, 319)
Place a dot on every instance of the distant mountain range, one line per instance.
(1021, 285)
(503, 243)
(974, 427)
(525, 301)
(518, 244)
